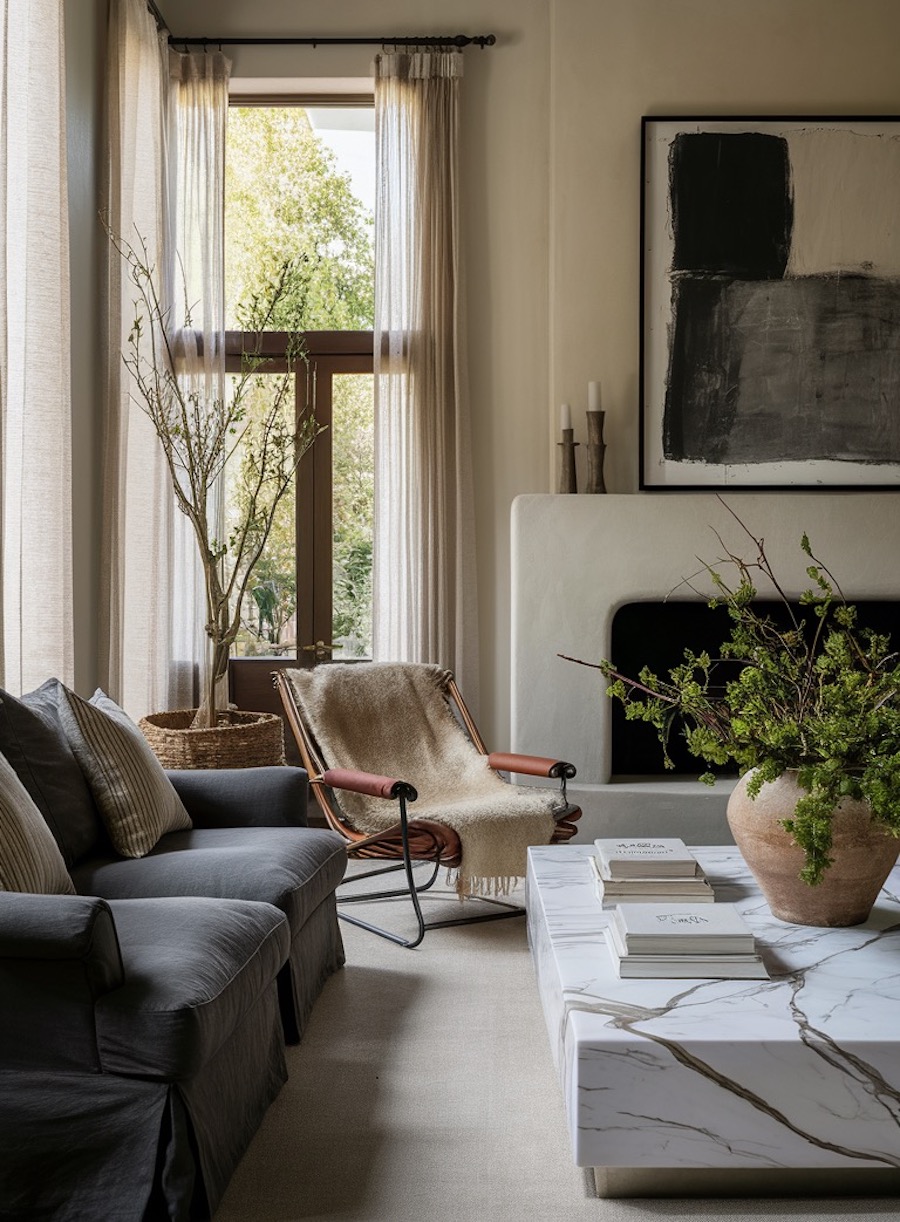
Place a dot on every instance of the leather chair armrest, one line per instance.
(243, 797)
(530, 765)
(367, 783)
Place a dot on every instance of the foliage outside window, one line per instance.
(287, 200)
(354, 490)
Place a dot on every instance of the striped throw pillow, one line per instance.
(137, 801)
(30, 859)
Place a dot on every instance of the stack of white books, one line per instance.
(648, 871)
(683, 940)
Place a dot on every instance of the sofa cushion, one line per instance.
(33, 740)
(136, 799)
(292, 868)
(30, 859)
(193, 969)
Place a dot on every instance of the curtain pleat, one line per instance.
(425, 604)
(135, 628)
(37, 637)
(197, 119)
(166, 115)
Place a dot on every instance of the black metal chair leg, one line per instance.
(408, 943)
(371, 895)
(407, 864)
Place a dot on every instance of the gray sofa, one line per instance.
(143, 1019)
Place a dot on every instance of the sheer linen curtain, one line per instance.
(424, 568)
(198, 115)
(136, 632)
(37, 638)
(163, 147)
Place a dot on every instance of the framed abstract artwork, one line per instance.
(770, 303)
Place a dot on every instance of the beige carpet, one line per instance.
(424, 1090)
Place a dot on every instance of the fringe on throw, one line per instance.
(492, 886)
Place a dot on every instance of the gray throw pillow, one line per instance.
(34, 743)
(30, 859)
(137, 801)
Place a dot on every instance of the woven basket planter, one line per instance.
(240, 740)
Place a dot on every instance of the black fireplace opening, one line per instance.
(656, 634)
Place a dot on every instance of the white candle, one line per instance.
(593, 396)
(565, 416)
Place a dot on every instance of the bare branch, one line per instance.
(200, 428)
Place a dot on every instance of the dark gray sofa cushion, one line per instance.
(293, 868)
(32, 740)
(193, 969)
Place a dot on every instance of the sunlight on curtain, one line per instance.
(425, 598)
(135, 631)
(198, 113)
(37, 639)
(166, 116)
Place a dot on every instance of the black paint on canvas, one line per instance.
(704, 371)
(732, 208)
(790, 370)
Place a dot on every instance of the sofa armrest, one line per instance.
(243, 797)
(58, 954)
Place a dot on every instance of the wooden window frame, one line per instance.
(329, 353)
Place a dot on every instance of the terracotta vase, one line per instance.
(863, 854)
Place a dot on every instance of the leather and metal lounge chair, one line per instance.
(376, 737)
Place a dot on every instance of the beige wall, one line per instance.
(552, 134)
(616, 60)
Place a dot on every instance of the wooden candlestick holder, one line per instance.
(595, 452)
(567, 478)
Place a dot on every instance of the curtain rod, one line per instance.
(453, 40)
(429, 40)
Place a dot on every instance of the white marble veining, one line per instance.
(802, 1070)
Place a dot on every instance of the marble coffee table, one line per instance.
(729, 1087)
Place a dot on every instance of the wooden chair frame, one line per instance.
(411, 841)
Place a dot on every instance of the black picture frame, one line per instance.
(770, 303)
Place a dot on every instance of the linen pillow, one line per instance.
(34, 743)
(30, 859)
(137, 801)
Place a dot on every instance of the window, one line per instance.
(300, 189)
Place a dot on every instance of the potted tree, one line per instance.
(812, 722)
(253, 424)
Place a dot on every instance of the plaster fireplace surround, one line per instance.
(577, 559)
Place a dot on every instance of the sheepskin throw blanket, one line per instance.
(393, 719)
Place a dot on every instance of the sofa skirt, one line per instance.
(317, 950)
(77, 1146)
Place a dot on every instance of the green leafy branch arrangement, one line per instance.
(819, 696)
